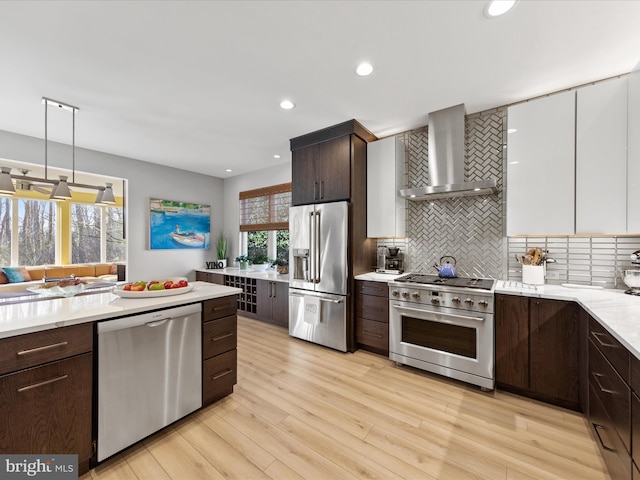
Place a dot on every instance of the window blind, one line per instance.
(265, 208)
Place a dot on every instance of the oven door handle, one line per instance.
(453, 317)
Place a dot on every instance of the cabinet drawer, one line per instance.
(635, 374)
(47, 409)
(372, 333)
(613, 392)
(378, 289)
(219, 307)
(613, 350)
(219, 375)
(219, 336)
(373, 308)
(37, 348)
(613, 451)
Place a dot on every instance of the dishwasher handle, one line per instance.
(106, 326)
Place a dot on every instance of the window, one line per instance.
(5, 231)
(96, 234)
(264, 221)
(36, 232)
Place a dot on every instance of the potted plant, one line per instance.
(222, 252)
(260, 262)
(282, 265)
(243, 260)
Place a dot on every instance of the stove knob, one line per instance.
(468, 300)
(484, 303)
(455, 300)
(405, 294)
(415, 295)
(435, 301)
(395, 293)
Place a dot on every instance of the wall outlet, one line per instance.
(553, 275)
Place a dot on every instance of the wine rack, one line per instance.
(248, 299)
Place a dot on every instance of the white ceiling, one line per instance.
(196, 85)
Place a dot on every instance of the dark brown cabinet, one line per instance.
(321, 172)
(612, 403)
(537, 349)
(512, 341)
(273, 302)
(210, 277)
(219, 343)
(372, 316)
(46, 393)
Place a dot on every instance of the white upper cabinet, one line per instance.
(386, 210)
(633, 152)
(601, 158)
(541, 166)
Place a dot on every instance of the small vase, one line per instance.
(244, 265)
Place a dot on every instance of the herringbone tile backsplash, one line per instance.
(472, 229)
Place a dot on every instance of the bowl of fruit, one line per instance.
(154, 288)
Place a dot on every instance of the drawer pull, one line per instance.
(373, 334)
(220, 337)
(597, 376)
(40, 384)
(221, 374)
(40, 349)
(597, 429)
(597, 336)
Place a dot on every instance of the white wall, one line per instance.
(145, 180)
(275, 175)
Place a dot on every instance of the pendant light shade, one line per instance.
(6, 185)
(107, 195)
(61, 191)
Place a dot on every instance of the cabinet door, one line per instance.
(385, 176)
(633, 151)
(47, 409)
(333, 170)
(541, 166)
(512, 341)
(553, 344)
(280, 303)
(304, 188)
(601, 158)
(263, 301)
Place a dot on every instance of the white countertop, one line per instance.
(269, 274)
(27, 317)
(618, 312)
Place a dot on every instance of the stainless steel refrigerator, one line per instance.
(318, 273)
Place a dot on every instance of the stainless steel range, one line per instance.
(444, 326)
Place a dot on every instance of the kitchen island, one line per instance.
(50, 353)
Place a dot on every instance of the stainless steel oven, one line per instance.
(445, 327)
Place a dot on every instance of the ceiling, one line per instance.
(197, 85)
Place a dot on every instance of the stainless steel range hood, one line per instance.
(446, 160)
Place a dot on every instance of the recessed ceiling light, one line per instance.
(512, 130)
(496, 8)
(287, 104)
(276, 156)
(228, 170)
(364, 69)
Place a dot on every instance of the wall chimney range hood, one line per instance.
(446, 160)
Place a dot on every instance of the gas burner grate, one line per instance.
(466, 282)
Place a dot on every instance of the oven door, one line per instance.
(442, 340)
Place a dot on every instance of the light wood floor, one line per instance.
(303, 411)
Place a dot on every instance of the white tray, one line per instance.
(56, 291)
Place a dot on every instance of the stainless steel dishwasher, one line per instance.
(149, 374)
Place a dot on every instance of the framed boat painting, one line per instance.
(178, 225)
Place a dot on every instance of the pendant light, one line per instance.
(107, 194)
(6, 184)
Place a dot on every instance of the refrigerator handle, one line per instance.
(318, 241)
(312, 271)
